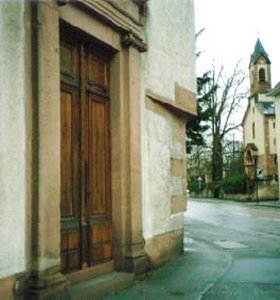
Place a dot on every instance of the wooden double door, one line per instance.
(86, 223)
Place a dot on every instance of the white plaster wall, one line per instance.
(169, 60)
(12, 138)
(277, 118)
(256, 117)
(259, 140)
(171, 55)
(159, 172)
(272, 134)
(248, 138)
(265, 98)
(159, 185)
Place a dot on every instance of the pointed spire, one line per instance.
(258, 51)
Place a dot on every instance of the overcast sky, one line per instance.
(232, 28)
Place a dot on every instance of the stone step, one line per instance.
(94, 288)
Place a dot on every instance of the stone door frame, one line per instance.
(125, 86)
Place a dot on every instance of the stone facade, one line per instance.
(152, 95)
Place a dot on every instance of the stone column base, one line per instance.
(137, 264)
(46, 287)
(7, 287)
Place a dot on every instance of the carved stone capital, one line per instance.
(142, 4)
(130, 40)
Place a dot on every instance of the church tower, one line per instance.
(260, 77)
(259, 122)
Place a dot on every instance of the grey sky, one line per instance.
(232, 28)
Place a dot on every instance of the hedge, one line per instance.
(234, 184)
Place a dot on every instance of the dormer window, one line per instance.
(261, 75)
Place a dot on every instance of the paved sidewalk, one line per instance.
(265, 203)
(186, 277)
(231, 253)
(275, 204)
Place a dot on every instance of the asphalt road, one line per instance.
(232, 251)
(247, 237)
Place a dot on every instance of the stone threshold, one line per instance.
(97, 287)
(90, 273)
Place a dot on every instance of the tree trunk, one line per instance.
(217, 165)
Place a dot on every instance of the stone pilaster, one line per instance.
(45, 277)
(135, 260)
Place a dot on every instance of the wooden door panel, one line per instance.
(97, 158)
(70, 192)
(100, 239)
(70, 249)
(86, 226)
(100, 235)
(70, 147)
(66, 155)
(70, 61)
(98, 70)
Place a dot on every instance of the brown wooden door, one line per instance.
(86, 227)
(98, 149)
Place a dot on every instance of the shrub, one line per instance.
(193, 186)
(234, 184)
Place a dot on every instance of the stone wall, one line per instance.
(169, 92)
(269, 165)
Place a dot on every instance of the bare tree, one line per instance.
(223, 106)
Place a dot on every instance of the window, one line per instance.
(249, 157)
(253, 130)
(273, 125)
(262, 75)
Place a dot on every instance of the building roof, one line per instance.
(266, 108)
(259, 51)
(275, 91)
(252, 146)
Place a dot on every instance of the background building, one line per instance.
(93, 138)
(275, 92)
(259, 124)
